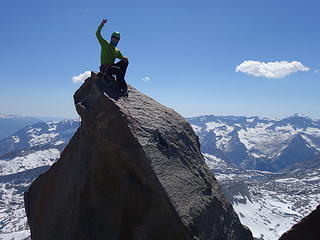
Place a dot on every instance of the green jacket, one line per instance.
(109, 53)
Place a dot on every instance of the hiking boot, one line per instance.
(99, 75)
(124, 92)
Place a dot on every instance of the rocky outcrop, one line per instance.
(133, 170)
(307, 228)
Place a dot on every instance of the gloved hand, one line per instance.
(104, 21)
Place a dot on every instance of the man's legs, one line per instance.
(121, 67)
(103, 68)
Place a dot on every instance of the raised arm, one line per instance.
(98, 33)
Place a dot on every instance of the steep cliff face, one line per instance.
(307, 228)
(133, 170)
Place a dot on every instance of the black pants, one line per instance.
(119, 69)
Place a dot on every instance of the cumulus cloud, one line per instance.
(271, 69)
(146, 79)
(81, 77)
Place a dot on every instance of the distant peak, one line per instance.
(297, 115)
(11, 116)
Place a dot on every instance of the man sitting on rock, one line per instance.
(109, 53)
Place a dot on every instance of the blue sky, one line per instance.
(188, 49)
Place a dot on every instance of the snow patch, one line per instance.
(314, 178)
(261, 218)
(33, 160)
(212, 161)
(33, 130)
(42, 139)
(196, 128)
(265, 142)
(313, 131)
(287, 128)
(52, 126)
(15, 139)
(22, 235)
(213, 125)
(58, 143)
(288, 180)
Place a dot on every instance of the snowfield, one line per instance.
(30, 161)
(23, 157)
(270, 203)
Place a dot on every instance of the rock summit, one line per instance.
(133, 170)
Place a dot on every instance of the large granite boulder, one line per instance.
(307, 229)
(133, 170)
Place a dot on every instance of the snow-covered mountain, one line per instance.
(9, 124)
(238, 150)
(41, 134)
(268, 203)
(23, 157)
(261, 144)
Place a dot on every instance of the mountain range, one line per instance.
(23, 157)
(9, 124)
(260, 144)
(254, 159)
(268, 168)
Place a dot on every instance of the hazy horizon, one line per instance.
(55, 118)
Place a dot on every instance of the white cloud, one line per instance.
(146, 79)
(81, 77)
(270, 69)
